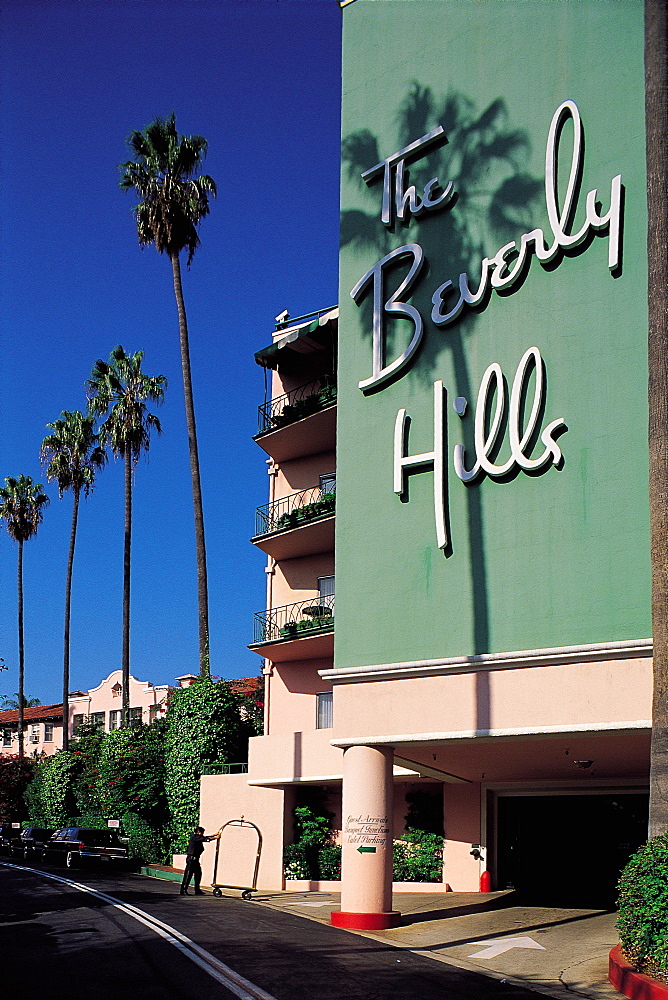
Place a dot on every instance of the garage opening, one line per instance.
(568, 850)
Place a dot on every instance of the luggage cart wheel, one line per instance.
(247, 894)
(217, 893)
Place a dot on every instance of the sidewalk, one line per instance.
(557, 952)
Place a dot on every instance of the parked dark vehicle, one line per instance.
(74, 846)
(8, 835)
(29, 845)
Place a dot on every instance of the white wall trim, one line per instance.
(398, 771)
(632, 648)
(574, 729)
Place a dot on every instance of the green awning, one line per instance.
(316, 335)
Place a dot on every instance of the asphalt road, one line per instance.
(59, 941)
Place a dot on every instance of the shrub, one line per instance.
(15, 775)
(643, 909)
(418, 859)
(147, 843)
(302, 862)
(329, 859)
(295, 865)
(50, 796)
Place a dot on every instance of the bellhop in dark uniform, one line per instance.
(193, 868)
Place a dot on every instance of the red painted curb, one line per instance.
(633, 984)
(366, 921)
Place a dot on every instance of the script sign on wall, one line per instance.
(502, 273)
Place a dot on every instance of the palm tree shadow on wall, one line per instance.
(495, 202)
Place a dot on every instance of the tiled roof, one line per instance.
(35, 714)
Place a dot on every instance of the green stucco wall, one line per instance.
(552, 559)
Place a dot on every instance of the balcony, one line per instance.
(303, 630)
(300, 422)
(299, 524)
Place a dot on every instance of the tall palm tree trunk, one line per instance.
(200, 546)
(21, 647)
(125, 658)
(656, 90)
(66, 631)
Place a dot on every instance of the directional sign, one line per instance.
(505, 944)
(367, 850)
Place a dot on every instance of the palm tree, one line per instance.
(72, 457)
(173, 203)
(21, 505)
(656, 105)
(119, 387)
(16, 701)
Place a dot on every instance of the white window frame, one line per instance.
(135, 717)
(48, 732)
(33, 733)
(324, 709)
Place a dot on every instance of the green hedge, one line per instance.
(419, 859)
(643, 909)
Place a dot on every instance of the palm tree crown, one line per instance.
(71, 453)
(173, 200)
(121, 387)
(21, 505)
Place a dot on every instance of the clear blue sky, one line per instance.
(260, 79)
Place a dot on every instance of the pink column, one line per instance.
(366, 864)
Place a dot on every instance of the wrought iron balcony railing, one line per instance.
(297, 509)
(214, 768)
(300, 402)
(295, 621)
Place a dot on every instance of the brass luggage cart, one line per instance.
(246, 890)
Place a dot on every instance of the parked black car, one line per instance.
(74, 846)
(29, 845)
(8, 835)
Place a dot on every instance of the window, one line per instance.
(48, 732)
(34, 733)
(326, 591)
(135, 717)
(77, 723)
(324, 706)
(116, 690)
(115, 720)
(6, 737)
(97, 719)
(328, 483)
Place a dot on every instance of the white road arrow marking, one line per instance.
(505, 944)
